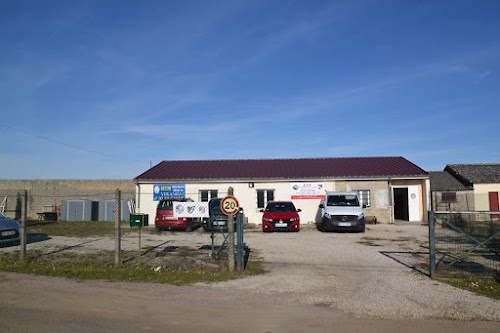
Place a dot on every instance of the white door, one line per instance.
(413, 203)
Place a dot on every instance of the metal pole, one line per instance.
(118, 227)
(230, 230)
(240, 244)
(432, 246)
(24, 220)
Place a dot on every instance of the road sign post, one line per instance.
(230, 206)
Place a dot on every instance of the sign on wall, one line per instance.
(308, 190)
(191, 209)
(168, 191)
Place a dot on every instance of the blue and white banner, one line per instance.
(169, 191)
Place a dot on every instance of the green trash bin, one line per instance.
(139, 220)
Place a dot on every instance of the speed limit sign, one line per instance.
(229, 205)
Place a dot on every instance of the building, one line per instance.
(449, 194)
(483, 179)
(393, 188)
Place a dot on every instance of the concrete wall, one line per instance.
(50, 192)
(464, 203)
(481, 197)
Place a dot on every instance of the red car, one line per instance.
(280, 216)
(165, 219)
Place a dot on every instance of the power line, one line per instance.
(66, 144)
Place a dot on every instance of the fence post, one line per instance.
(230, 230)
(24, 221)
(118, 227)
(432, 246)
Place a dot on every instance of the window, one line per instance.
(364, 197)
(263, 196)
(206, 195)
(449, 197)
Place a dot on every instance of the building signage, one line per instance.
(308, 190)
(191, 209)
(168, 191)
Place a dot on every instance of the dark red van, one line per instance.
(280, 216)
(165, 219)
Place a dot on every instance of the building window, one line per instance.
(449, 197)
(206, 195)
(263, 197)
(364, 198)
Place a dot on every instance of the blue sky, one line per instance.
(101, 89)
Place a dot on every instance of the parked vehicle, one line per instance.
(342, 212)
(217, 220)
(280, 216)
(9, 231)
(165, 219)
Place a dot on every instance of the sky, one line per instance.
(104, 89)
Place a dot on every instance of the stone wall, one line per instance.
(44, 194)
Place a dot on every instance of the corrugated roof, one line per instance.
(444, 181)
(301, 168)
(475, 173)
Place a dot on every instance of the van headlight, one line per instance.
(327, 215)
(360, 216)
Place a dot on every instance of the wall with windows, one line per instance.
(460, 201)
(253, 196)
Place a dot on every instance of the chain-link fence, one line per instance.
(81, 227)
(465, 243)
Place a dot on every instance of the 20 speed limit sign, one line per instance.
(229, 205)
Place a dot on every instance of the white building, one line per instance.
(393, 188)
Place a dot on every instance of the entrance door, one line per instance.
(493, 196)
(401, 211)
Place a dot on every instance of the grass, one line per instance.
(90, 270)
(482, 286)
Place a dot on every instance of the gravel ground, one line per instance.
(360, 274)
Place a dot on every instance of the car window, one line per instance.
(342, 200)
(166, 205)
(280, 207)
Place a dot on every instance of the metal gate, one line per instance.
(464, 244)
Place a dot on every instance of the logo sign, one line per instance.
(307, 190)
(191, 209)
(229, 205)
(168, 191)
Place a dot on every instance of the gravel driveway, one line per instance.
(366, 275)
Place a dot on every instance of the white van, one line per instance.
(342, 211)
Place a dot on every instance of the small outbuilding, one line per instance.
(392, 188)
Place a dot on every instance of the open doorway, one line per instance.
(401, 209)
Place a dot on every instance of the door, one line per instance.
(493, 196)
(401, 211)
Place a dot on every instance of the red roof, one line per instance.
(300, 168)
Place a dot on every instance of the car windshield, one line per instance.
(280, 207)
(342, 200)
(214, 206)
